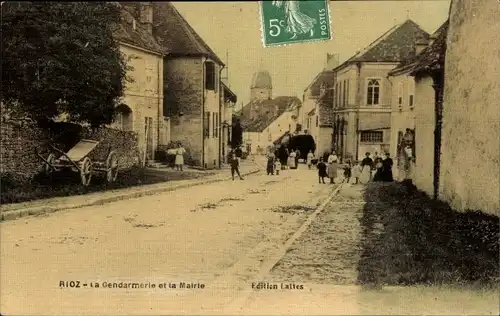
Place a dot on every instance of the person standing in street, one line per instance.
(277, 166)
(270, 164)
(291, 160)
(310, 157)
(366, 165)
(386, 174)
(235, 166)
(356, 172)
(322, 174)
(332, 166)
(179, 157)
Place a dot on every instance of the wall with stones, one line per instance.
(470, 165)
(18, 143)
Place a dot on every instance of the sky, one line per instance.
(234, 28)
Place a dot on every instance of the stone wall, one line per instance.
(183, 80)
(18, 143)
(470, 172)
(425, 123)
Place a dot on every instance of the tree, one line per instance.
(61, 58)
(236, 132)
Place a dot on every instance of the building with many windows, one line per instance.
(363, 92)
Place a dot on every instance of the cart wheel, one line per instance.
(112, 167)
(47, 167)
(86, 171)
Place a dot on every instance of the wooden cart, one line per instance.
(77, 160)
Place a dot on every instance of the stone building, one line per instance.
(266, 119)
(141, 109)
(316, 113)
(417, 80)
(192, 86)
(363, 92)
(229, 100)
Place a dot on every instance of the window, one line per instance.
(289, 127)
(317, 121)
(344, 93)
(210, 76)
(214, 124)
(347, 94)
(340, 93)
(206, 125)
(372, 136)
(411, 92)
(373, 95)
(336, 94)
(400, 95)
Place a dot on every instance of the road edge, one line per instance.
(239, 302)
(41, 210)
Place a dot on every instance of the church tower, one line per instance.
(262, 87)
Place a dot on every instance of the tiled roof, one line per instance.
(124, 32)
(431, 57)
(326, 77)
(326, 109)
(395, 45)
(176, 35)
(257, 115)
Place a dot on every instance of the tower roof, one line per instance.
(262, 79)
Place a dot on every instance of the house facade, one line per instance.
(192, 85)
(266, 121)
(316, 112)
(229, 100)
(141, 108)
(363, 92)
(426, 71)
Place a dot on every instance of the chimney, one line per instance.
(332, 61)
(146, 17)
(420, 45)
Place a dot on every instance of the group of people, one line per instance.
(378, 168)
(282, 158)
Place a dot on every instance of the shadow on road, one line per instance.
(408, 238)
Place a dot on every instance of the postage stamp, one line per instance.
(286, 22)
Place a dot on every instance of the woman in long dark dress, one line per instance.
(387, 164)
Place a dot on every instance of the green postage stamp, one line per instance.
(285, 22)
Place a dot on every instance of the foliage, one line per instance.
(236, 132)
(61, 58)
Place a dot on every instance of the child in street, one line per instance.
(277, 166)
(270, 164)
(356, 172)
(322, 174)
(347, 171)
(235, 166)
